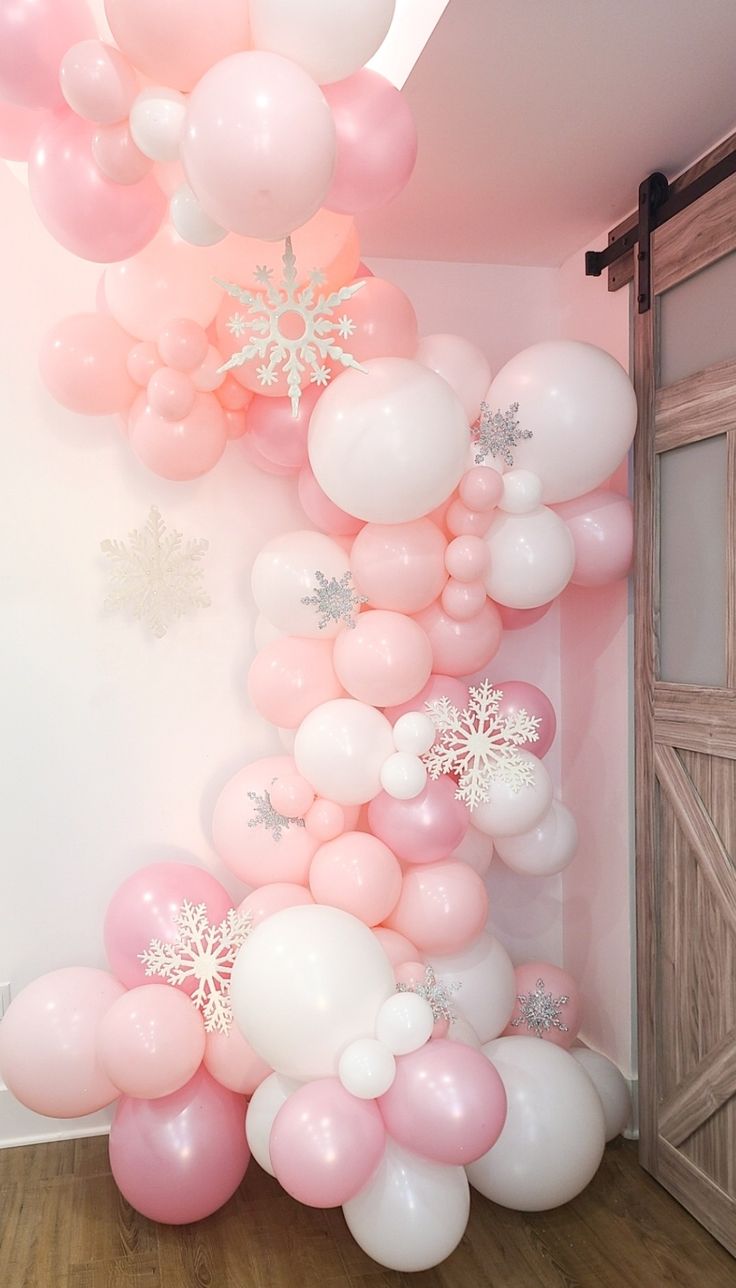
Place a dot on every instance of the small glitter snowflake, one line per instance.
(205, 953)
(156, 574)
(540, 1011)
(335, 601)
(498, 433)
(317, 327)
(436, 992)
(479, 744)
(268, 817)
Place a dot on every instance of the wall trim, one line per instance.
(21, 1126)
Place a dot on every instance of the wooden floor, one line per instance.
(64, 1225)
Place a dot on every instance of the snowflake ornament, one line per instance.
(436, 992)
(498, 433)
(205, 953)
(156, 574)
(335, 601)
(478, 744)
(269, 818)
(265, 335)
(540, 1011)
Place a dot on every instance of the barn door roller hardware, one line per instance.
(659, 201)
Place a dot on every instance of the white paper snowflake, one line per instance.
(335, 601)
(266, 816)
(317, 327)
(498, 433)
(205, 953)
(156, 574)
(436, 992)
(540, 1011)
(478, 745)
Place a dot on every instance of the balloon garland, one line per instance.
(386, 1049)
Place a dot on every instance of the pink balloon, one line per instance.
(208, 376)
(233, 396)
(144, 908)
(290, 677)
(601, 524)
(464, 368)
(358, 873)
(466, 558)
(174, 42)
(276, 432)
(326, 1144)
(169, 280)
(84, 365)
(323, 512)
(179, 1158)
(97, 82)
(118, 156)
(515, 619)
(233, 1063)
(143, 361)
(460, 521)
(423, 830)
(151, 1041)
(384, 659)
(183, 344)
(256, 844)
(384, 320)
(401, 565)
(257, 458)
(442, 908)
(397, 947)
(437, 686)
(325, 820)
(34, 36)
(548, 1005)
(376, 142)
(518, 695)
(171, 394)
(447, 1102)
(271, 898)
(481, 489)
(18, 129)
(292, 795)
(463, 600)
(461, 648)
(179, 449)
(87, 213)
(277, 176)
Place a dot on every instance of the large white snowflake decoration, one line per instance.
(498, 433)
(267, 339)
(435, 991)
(335, 601)
(205, 953)
(156, 574)
(478, 744)
(540, 1011)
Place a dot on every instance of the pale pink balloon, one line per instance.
(255, 845)
(358, 873)
(400, 565)
(326, 1144)
(437, 686)
(145, 907)
(179, 1158)
(143, 361)
(323, 512)
(461, 648)
(601, 524)
(384, 659)
(425, 829)
(48, 1051)
(84, 365)
(292, 795)
(290, 677)
(277, 433)
(34, 36)
(397, 947)
(183, 344)
(171, 394)
(118, 156)
(235, 424)
(278, 173)
(179, 449)
(151, 1041)
(97, 82)
(447, 1103)
(209, 376)
(174, 42)
(257, 458)
(464, 368)
(232, 1062)
(463, 600)
(18, 129)
(376, 142)
(325, 820)
(167, 281)
(442, 908)
(515, 619)
(233, 396)
(461, 521)
(86, 212)
(271, 898)
(466, 558)
(481, 489)
(384, 320)
(557, 1014)
(519, 695)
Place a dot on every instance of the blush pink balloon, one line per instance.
(34, 36)
(358, 873)
(233, 396)
(384, 659)
(447, 1103)
(143, 361)
(278, 434)
(519, 695)
(464, 368)
(145, 907)
(460, 521)
(84, 365)
(437, 686)
(559, 999)
(385, 322)
(256, 852)
(18, 129)
(326, 1144)
(87, 213)
(174, 42)
(151, 1041)
(463, 600)
(183, 344)
(466, 558)
(601, 524)
(292, 795)
(397, 947)
(461, 647)
(171, 394)
(271, 898)
(97, 82)
(169, 280)
(442, 908)
(257, 458)
(481, 489)
(323, 512)
(179, 1158)
(208, 376)
(179, 449)
(401, 565)
(422, 830)
(515, 619)
(232, 1062)
(325, 820)
(376, 142)
(290, 677)
(118, 156)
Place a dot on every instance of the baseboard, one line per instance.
(20, 1126)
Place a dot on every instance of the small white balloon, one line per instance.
(511, 811)
(403, 776)
(546, 848)
(270, 1096)
(532, 558)
(191, 221)
(341, 748)
(404, 1023)
(522, 492)
(367, 1068)
(486, 986)
(611, 1086)
(157, 122)
(414, 732)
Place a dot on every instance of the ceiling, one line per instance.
(538, 119)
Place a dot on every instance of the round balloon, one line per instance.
(546, 848)
(83, 362)
(322, 36)
(532, 558)
(265, 1103)
(601, 524)
(376, 144)
(257, 843)
(399, 566)
(301, 582)
(232, 1061)
(326, 1144)
(340, 748)
(443, 906)
(611, 1086)
(483, 982)
(290, 677)
(547, 1006)
(174, 42)
(151, 1041)
(384, 659)
(515, 808)
(358, 873)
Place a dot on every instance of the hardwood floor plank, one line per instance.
(30, 1163)
(105, 1227)
(124, 1272)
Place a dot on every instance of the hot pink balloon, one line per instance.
(461, 648)
(277, 433)
(84, 365)
(422, 830)
(442, 908)
(151, 1041)
(548, 1005)
(179, 1158)
(376, 142)
(517, 696)
(384, 659)
(601, 524)
(256, 844)
(34, 36)
(397, 947)
(87, 213)
(145, 907)
(326, 1144)
(233, 1063)
(400, 566)
(358, 873)
(515, 619)
(447, 1102)
(18, 129)
(323, 512)
(179, 449)
(437, 686)
(174, 42)
(384, 320)
(271, 898)
(97, 82)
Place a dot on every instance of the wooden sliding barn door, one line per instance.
(685, 668)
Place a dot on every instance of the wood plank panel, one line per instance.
(695, 238)
(699, 406)
(697, 719)
(706, 1200)
(699, 1095)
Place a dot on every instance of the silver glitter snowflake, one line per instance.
(266, 816)
(318, 328)
(335, 601)
(498, 433)
(205, 953)
(540, 1011)
(478, 744)
(156, 574)
(436, 992)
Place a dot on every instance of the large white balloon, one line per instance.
(485, 975)
(340, 748)
(285, 574)
(389, 443)
(328, 38)
(553, 1138)
(510, 812)
(580, 407)
(264, 1104)
(412, 1213)
(611, 1086)
(307, 982)
(546, 848)
(532, 558)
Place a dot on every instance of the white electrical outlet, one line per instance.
(4, 999)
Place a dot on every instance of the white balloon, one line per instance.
(157, 121)
(388, 443)
(580, 407)
(414, 732)
(475, 849)
(461, 364)
(532, 558)
(403, 776)
(367, 1068)
(412, 1213)
(307, 982)
(611, 1086)
(553, 1139)
(341, 747)
(487, 990)
(522, 492)
(510, 812)
(285, 574)
(268, 1097)
(328, 38)
(190, 220)
(404, 1023)
(546, 848)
